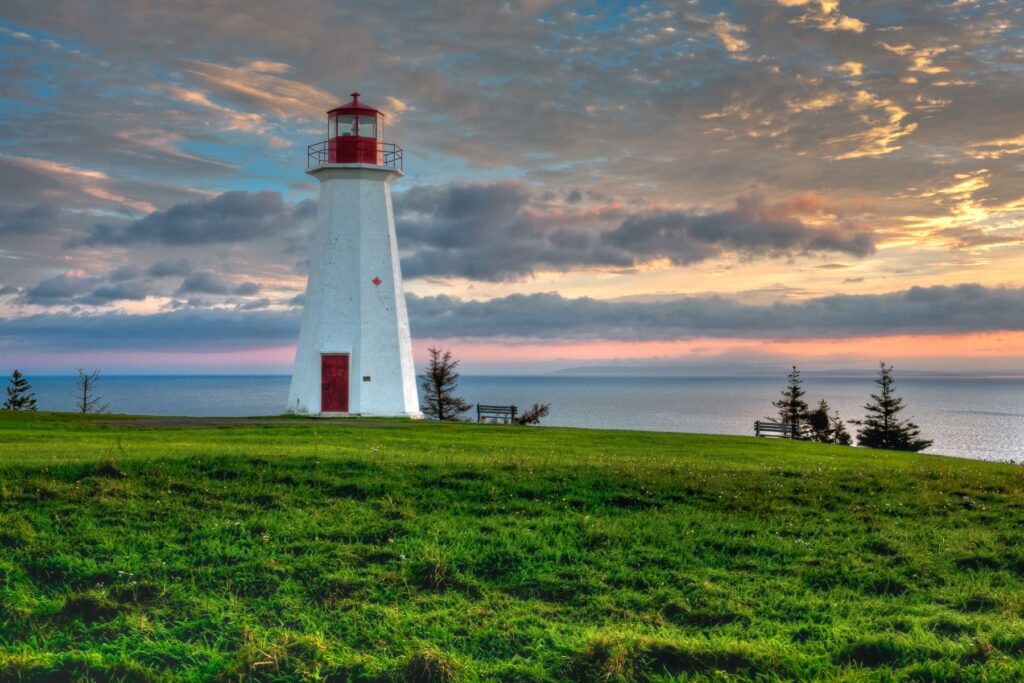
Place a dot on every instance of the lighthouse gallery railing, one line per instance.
(389, 153)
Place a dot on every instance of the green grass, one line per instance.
(294, 549)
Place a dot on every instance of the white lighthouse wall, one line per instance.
(345, 312)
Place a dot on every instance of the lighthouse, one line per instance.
(354, 355)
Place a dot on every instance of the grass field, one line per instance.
(293, 549)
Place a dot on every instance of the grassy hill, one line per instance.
(291, 549)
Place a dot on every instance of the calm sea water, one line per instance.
(977, 418)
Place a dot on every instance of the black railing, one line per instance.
(374, 152)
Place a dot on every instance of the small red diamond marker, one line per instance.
(376, 281)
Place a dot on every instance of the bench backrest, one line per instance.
(483, 411)
(783, 428)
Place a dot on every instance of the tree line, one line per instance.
(85, 394)
(881, 427)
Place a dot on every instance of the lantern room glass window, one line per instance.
(367, 126)
(342, 125)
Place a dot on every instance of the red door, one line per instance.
(334, 384)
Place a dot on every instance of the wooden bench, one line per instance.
(766, 428)
(504, 413)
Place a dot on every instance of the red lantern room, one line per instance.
(354, 136)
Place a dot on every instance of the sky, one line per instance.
(696, 185)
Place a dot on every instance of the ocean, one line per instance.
(974, 418)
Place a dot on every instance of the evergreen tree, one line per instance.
(792, 408)
(19, 394)
(840, 435)
(881, 428)
(819, 423)
(825, 428)
(439, 382)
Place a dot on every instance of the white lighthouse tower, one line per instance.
(354, 354)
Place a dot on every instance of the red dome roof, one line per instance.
(355, 106)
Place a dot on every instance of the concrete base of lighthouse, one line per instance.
(354, 355)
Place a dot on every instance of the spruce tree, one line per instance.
(825, 428)
(838, 431)
(19, 394)
(792, 408)
(881, 428)
(819, 423)
(439, 381)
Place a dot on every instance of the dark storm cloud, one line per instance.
(129, 272)
(919, 310)
(490, 232)
(71, 288)
(210, 282)
(753, 227)
(483, 231)
(179, 267)
(203, 282)
(187, 328)
(59, 289)
(121, 291)
(230, 217)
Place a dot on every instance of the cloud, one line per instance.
(169, 268)
(33, 220)
(254, 305)
(120, 291)
(209, 282)
(492, 232)
(203, 282)
(76, 288)
(753, 227)
(997, 148)
(129, 272)
(916, 311)
(886, 122)
(60, 180)
(252, 85)
(184, 329)
(850, 68)
(920, 58)
(825, 15)
(919, 310)
(59, 289)
(230, 217)
(728, 33)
